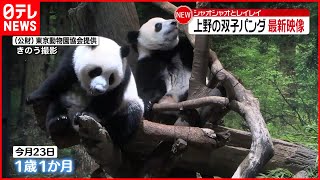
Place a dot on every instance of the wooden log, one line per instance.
(225, 160)
(192, 104)
(99, 145)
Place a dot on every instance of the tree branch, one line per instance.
(197, 85)
(192, 104)
(193, 135)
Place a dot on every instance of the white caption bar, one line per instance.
(55, 40)
(35, 152)
(249, 25)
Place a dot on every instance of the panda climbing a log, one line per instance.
(98, 79)
(164, 64)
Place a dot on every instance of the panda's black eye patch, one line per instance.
(95, 72)
(158, 27)
(111, 79)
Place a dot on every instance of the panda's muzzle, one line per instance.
(99, 89)
(174, 23)
(99, 85)
(172, 27)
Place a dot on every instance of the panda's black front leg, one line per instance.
(60, 81)
(124, 123)
(150, 97)
(58, 123)
(177, 89)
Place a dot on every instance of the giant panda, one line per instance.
(164, 63)
(98, 79)
(163, 71)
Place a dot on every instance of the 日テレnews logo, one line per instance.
(20, 18)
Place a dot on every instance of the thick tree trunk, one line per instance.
(8, 54)
(35, 74)
(63, 24)
(25, 72)
(111, 20)
(197, 85)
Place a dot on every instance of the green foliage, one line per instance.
(67, 152)
(288, 99)
(288, 102)
(306, 135)
(233, 119)
(277, 173)
(312, 172)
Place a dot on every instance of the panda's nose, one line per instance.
(174, 23)
(99, 89)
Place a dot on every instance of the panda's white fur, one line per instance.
(131, 93)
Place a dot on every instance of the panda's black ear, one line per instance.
(124, 51)
(133, 37)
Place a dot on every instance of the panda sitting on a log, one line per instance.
(164, 64)
(98, 79)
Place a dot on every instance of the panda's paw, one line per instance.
(77, 118)
(58, 125)
(78, 115)
(148, 107)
